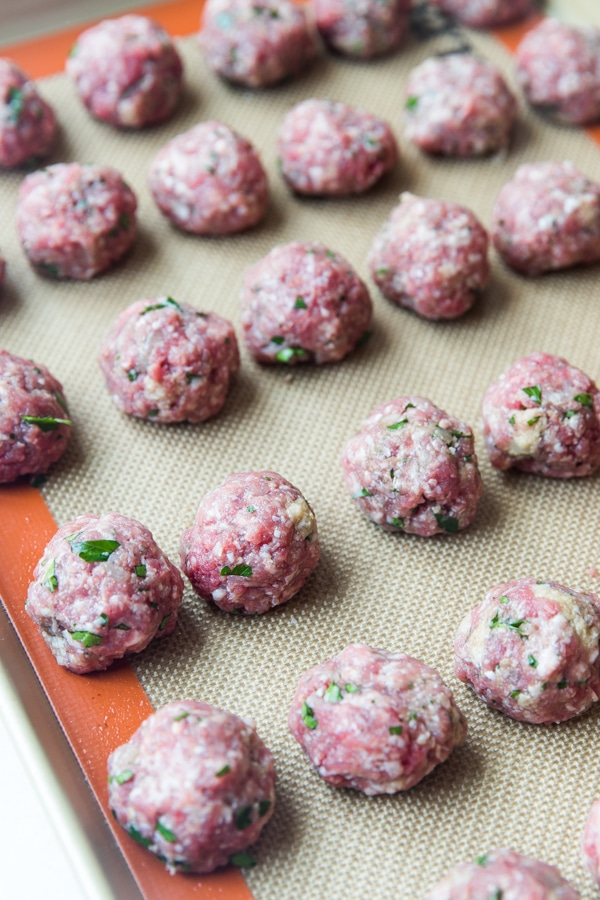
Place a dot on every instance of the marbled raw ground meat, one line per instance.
(431, 256)
(503, 875)
(35, 426)
(547, 217)
(542, 416)
(328, 148)
(75, 220)
(256, 44)
(558, 68)
(102, 590)
(253, 544)
(486, 13)
(590, 842)
(458, 105)
(127, 71)
(195, 785)
(210, 180)
(168, 362)
(530, 649)
(303, 303)
(362, 28)
(27, 123)
(374, 720)
(413, 468)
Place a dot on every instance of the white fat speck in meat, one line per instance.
(195, 785)
(27, 122)
(486, 13)
(374, 720)
(362, 28)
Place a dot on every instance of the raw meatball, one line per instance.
(547, 217)
(127, 71)
(256, 44)
(168, 362)
(542, 416)
(590, 843)
(27, 123)
(458, 105)
(413, 468)
(503, 874)
(375, 721)
(34, 421)
(530, 649)
(75, 220)
(558, 67)
(253, 544)
(102, 590)
(362, 28)
(486, 13)
(195, 785)
(303, 303)
(431, 256)
(332, 149)
(210, 180)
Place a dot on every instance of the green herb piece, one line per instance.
(168, 302)
(263, 807)
(333, 694)
(49, 579)
(300, 304)
(351, 688)
(482, 860)
(503, 599)
(398, 523)
(569, 414)
(153, 605)
(189, 376)
(123, 777)
(251, 509)
(103, 618)
(532, 661)
(395, 729)
(584, 399)
(132, 374)
(461, 434)
(243, 818)
(152, 413)
(535, 392)
(122, 627)
(242, 569)
(516, 626)
(534, 420)
(163, 622)
(182, 715)
(224, 771)
(50, 269)
(448, 523)
(397, 425)
(16, 101)
(511, 421)
(384, 270)
(140, 571)
(412, 716)
(308, 716)
(278, 339)
(87, 638)
(363, 493)
(135, 834)
(61, 401)
(93, 551)
(243, 860)
(46, 423)
(330, 254)
(412, 102)
(497, 895)
(515, 694)
(165, 832)
(286, 354)
(561, 685)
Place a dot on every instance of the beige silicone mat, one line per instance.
(515, 785)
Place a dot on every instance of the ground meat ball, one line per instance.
(590, 843)
(362, 28)
(256, 45)
(194, 784)
(75, 220)
(530, 649)
(210, 180)
(127, 71)
(558, 67)
(542, 416)
(547, 217)
(413, 468)
(431, 257)
(328, 148)
(375, 721)
(458, 105)
(253, 545)
(168, 362)
(34, 421)
(27, 123)
(303, 303)
(486, 13)
(503, 875)
(102, 590)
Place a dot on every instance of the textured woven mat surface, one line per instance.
(521, 786)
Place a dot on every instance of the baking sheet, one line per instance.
(393, 591)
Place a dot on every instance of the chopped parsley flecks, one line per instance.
(167, 302)
(61, 401)
(333, 694)
(46, 423)
(243, 860)
(482, 860)
(263, 807)
(300, 303)
(383, 270)
(517, 626)
(448, 523)
(277, 339)
(409, 406)
(87, 638)
(16, 102)
(122, 627)
(182, 715)
(503, 599)
(189, 376)
(49, 269)
(412, 102)
(397, 425)
(137, 836)
(286, 354)
(224, 771)
(243, 818)
(308, 716)
(49, 579)
(165, 832)
(242, 569)
(569, 413)
(351, 688)
(140, 571)
(103, 619)
(152, 413)
(398, 523)
(535, 419)
(395, 729)
(93, 551)
(535, 392)
(363, 493)
(461, 434)
(511, 421)
(515, 694)
(132, 374)
(532, 661)
(123, 777)
(163, 622)
(561, 685)
(584, 399)
(330, 254)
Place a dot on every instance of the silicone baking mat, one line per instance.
(510, 785)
